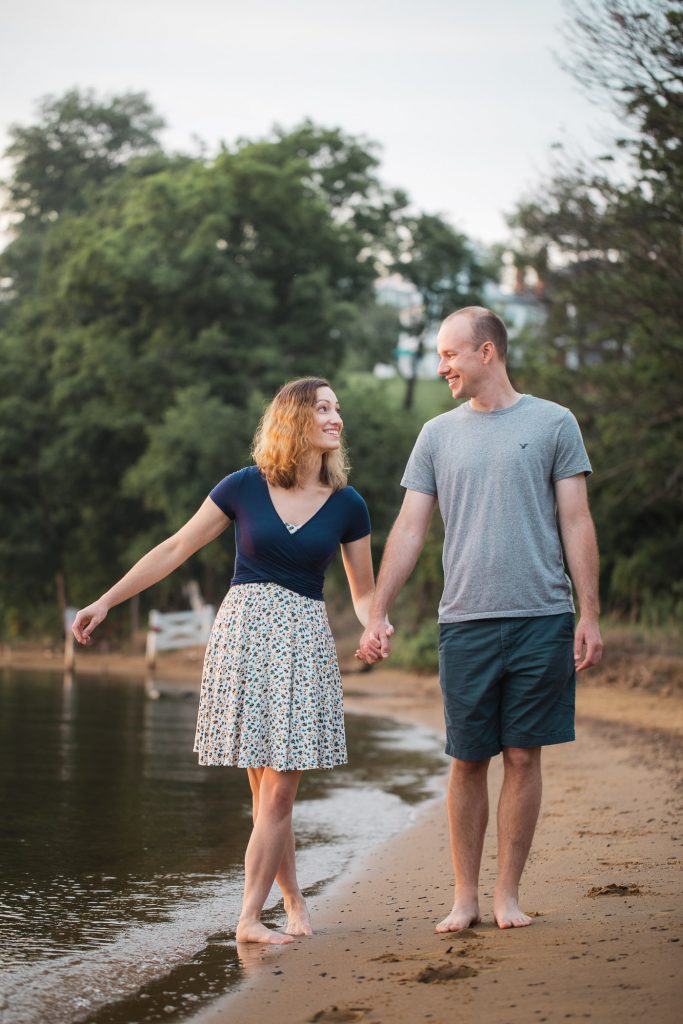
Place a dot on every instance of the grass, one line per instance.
(637, 638)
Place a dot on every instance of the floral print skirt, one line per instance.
(271, 690)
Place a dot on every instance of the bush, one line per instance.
(419, 649)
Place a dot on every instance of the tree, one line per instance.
(78, 143)
(380, 440)
(374, 332)
(161, 284)
(609, 252)
(447, 272)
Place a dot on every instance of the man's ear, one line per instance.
(488, 350)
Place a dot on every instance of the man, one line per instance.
(507, 469)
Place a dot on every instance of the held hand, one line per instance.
(87, 620)
(587, 644)
(375, 642)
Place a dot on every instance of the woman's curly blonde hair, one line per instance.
(282, 439)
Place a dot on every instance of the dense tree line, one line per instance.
(606, 239)
(151, 303)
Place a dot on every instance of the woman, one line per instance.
(271, 698)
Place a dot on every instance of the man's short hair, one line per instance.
(485, 325)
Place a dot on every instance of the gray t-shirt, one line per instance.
(493, 474)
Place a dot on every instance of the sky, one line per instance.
(464, 97)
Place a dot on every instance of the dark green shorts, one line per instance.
(507, 683)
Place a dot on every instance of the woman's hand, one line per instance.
(88, 619)
(375, 643)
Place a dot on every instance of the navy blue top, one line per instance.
(267, 552)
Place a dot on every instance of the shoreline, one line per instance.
(602, 881)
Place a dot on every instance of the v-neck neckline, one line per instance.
(299, 526)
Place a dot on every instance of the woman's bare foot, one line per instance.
(298, 918)
(254, 931)
(464, 914)
(507, 913)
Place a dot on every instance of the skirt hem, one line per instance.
(276, 767)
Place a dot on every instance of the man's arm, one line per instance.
(581, 550)
(398, 561)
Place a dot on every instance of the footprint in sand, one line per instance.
(445, 972)
(397, 958)
(339, 1015)
(615, 890)
(464, 950)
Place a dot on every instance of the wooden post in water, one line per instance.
(69, 639)
(152, 634)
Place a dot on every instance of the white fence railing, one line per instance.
(170, 631)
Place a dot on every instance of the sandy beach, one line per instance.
(603, 880)
(603, 884)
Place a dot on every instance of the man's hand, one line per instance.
(587, 644)
(375, 641)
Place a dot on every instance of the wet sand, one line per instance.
(603, 884)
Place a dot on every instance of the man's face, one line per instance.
(460, 364)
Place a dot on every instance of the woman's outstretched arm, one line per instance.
(204, 526)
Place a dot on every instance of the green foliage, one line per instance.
(609, 253)
(417, 649)
(373, 336)
(447, 272)
(443, 266)
(380, 440)
(149, 306)
(76, 145)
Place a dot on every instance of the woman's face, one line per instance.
(327, 423)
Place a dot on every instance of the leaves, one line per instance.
(609, 253)
(150, 304)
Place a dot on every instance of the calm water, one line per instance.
(121, 859)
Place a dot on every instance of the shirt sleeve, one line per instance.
(224, 494)
(571, 457)
(419, 473)
(358, 524)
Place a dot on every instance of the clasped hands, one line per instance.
(375, 643)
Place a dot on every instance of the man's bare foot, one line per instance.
(464, 914)
(254, 931)
(298, 918)
(508, 915)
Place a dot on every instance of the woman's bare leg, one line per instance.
(298, 919)
(269, 840)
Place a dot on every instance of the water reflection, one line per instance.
(120, 856)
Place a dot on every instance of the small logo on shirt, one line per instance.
(522, 445)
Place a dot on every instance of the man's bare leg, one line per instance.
(468, 814)
(266, 848)
(298, 919)
(520, 802)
